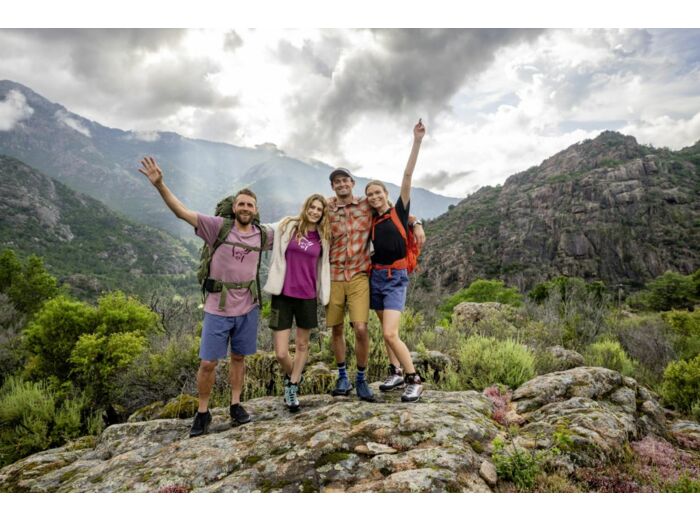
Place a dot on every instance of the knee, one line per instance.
(281, 354)
(391, 336)
(338, 331)
(237, 359)
(361, 331)
(302, 346)
(207, 367)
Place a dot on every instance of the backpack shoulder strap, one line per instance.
(224, 230)
(397, 222)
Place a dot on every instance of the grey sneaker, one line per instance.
(291, 398)
(393, 380)
(414, 389)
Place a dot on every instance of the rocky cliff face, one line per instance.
(606, 209)
(442, 443)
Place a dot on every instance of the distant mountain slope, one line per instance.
(605, 209)
(82, 241)
(103, 162)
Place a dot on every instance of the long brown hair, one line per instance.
(301, 222)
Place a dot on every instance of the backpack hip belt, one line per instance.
(402, 263)
(214, 286)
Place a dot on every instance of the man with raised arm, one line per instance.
(230, 314)
(351, 222)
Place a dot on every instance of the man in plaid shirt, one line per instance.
(351, 223)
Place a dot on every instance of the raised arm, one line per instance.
(418, 134)
(154, 174)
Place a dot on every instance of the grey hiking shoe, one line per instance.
(291, 398)
(414, 389)
(393, 380)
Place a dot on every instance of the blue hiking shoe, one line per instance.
(342, 387)
(363, 392)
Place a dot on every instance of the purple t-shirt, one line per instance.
(231, 264)
(302, 259)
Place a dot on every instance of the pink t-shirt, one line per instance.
(302, 260)
(231, 264)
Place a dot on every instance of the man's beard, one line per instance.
(245, 219)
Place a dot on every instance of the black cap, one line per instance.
(340, 171)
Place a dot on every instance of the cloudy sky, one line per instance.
(495, 101)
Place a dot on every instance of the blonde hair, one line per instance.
(302, 223)
(376, 182)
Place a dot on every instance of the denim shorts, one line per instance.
(218, 331)
(388, 293)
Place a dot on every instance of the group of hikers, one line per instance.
(344, 251)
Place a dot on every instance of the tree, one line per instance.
(671, 291)
(29, 286)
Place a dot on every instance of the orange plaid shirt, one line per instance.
(350, 228)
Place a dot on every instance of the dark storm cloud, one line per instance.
(318, 57)
(412, 69)
(440, 179)
(115, 67)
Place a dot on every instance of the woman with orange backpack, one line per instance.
(392, 257)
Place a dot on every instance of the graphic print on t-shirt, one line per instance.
(239, 253)
(305, 243)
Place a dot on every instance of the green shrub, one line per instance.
(609, 354)
(517, 465)
(486, 361)
(160, 373)
(97, 359)
(481, 291)
(686, 326)
(681, 384)
(34, 417)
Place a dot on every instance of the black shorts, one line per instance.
(285, 308)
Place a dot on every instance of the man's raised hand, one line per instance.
(151, 170)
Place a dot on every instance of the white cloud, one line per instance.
(63, 117)
(144, 135)
(13, 109)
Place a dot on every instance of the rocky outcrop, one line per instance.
(442, 443)
(604, 209)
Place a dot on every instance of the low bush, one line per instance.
(486, 361)
(681, 384)
(609, 354)
(34, 417)
(686, 327)
(481, 291)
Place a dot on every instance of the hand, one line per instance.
(152, 171)
(420, 236)
(419, 130)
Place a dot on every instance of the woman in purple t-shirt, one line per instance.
(299, 274)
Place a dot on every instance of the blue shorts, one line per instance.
(217, 331)
(388, 293)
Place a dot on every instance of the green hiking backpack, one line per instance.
(224, 209)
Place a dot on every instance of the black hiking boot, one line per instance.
(200, 425)
(238, 415)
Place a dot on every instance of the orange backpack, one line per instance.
(412, 250)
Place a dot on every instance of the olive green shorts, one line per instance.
(354, 294)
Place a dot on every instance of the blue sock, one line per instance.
(360, 374)
(342, 371)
